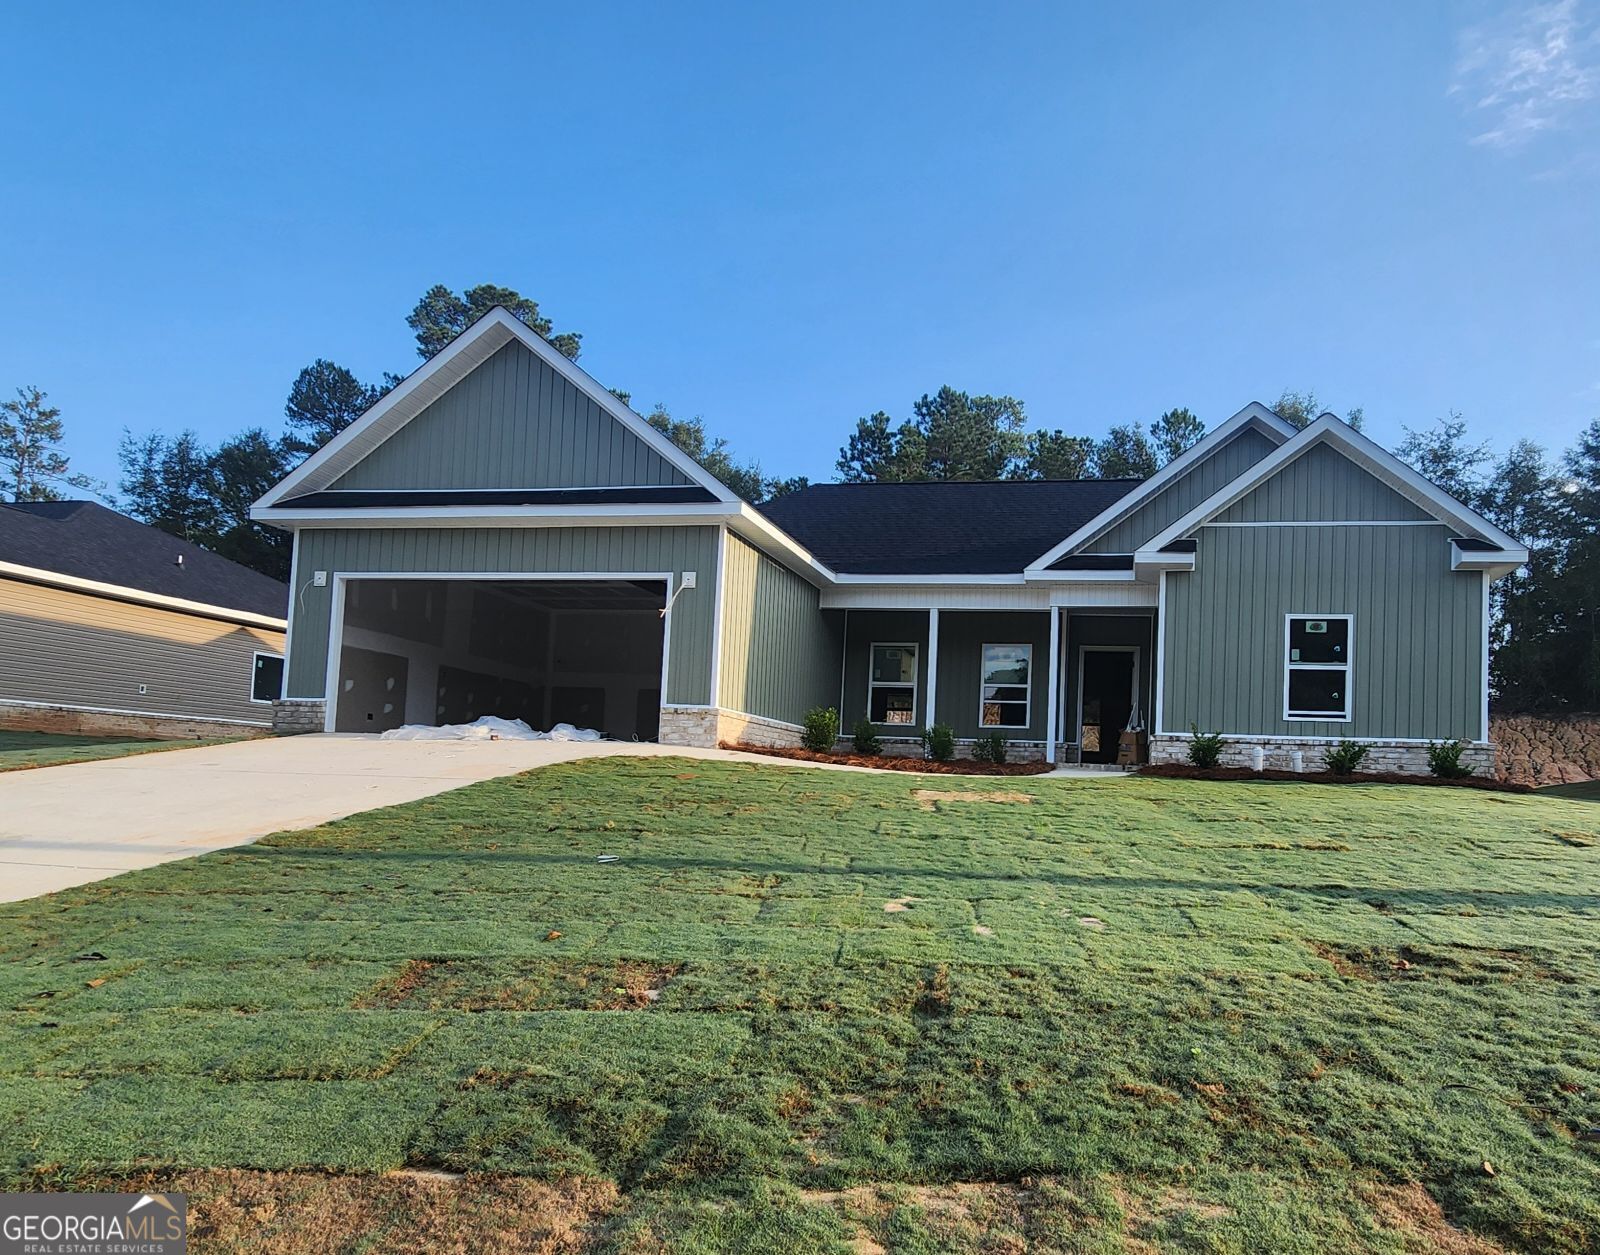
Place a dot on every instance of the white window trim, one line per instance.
(1027, 701)
(916, 649)
(1348, 666)
(255, 656)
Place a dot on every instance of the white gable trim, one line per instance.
(438, 375)
(1253, 415)
(1371, 457)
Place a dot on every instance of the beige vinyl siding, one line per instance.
(513, 422)
(73, 649)
(510, 550)
(1416, 639)
(780, 649)
(1319, 485)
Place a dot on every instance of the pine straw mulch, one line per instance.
(892, 762)
(1184, 771)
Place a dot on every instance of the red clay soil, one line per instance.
(891, 762)
(1184, 771)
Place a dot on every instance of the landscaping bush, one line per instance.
(990, 749)
(821, 729)
(939, 742)
(1344, 758)
(865, 737)
(1444, 759)
(1205, 748)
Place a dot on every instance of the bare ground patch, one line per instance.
(545, 985)
(931, 797)
(1412, 1212)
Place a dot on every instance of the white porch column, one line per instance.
(1053, 729)
(929, 717)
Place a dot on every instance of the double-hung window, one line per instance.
(1003, 686)
(892, 684)
(1316, 682)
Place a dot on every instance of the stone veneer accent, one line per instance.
(60, 719)
(908, 747)
(294, 715)
(1383, 756)
(709, 726)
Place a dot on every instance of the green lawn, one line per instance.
(1122, 1014)
(1588, 791)
(21, 750)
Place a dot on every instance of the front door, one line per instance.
(1107, 681)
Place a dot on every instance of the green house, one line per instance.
(501, 535)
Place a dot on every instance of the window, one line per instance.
(1316, 683)
(1003, 686)
(892, 684)
(266, 678)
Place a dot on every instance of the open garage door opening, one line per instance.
(437, 651)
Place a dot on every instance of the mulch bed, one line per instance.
(892, 762)
(1183, 771)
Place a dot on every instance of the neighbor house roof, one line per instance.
(87, 543)
(957, 528)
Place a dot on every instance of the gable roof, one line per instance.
(85, 542)
(1254, 416)
(949, 528)
(438, 375)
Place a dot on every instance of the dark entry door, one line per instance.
(1107, 702)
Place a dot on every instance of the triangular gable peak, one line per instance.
(1331, 473)
(1224, 454)
(498, 408)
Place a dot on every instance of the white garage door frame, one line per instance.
(342, 579)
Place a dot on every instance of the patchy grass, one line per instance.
(22, 750)
(1127, 1015)
(1588, 791)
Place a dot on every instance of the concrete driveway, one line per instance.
(63, 826)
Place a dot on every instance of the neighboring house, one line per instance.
(500, 534)
(110, 626)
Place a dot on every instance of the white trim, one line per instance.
(1102, 649)
(1053, 688)
(716, 616)
(1487, 580)
(1331, 523)
(1348, 666)
(1492, 562)
(1371, 457)
(1160, 668)
(283, 679)
(1027, 688)
(672, 514)
(1253, 415)
(873, 647)
(294, 597)
(143, 714)
(1321, 740)
(998, 578)
(933, 666)
(441, 372)
(844, 654)
(37, 575)
(1119, 596)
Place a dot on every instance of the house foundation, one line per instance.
(1399, 757)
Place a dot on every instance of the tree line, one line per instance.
(1546, 617)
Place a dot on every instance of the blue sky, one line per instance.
(784, 217)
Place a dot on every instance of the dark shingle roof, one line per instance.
(88, 541)
(983, 528)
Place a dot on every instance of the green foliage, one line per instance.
(440, 316)
(1444, 759)
(1345, 757)
(744, 478)
(1126, 453)
(865, 737)
(990, 747)
(324, 399)
(1056, 455)
(1174, 432)
(951, 436)
(1302, 409)
(821, 729)
(939, 742)
(32, 466)
(1205, 748)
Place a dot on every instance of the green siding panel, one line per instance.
(512, 423)
(507, 550)
(1184, 493)
(780, 650)
(863, 629)
(1321, 484)
(1417, 643)
(962, 636)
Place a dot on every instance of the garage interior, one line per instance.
(584, 652)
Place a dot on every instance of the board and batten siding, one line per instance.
(780, 649)
(1322, 484)
(1184, 493)
(502, 551)
(962, 636)
(512, 422)
(66, 648)
(862, 630)
(1416, 642)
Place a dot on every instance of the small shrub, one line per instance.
(1205, 748)
(990, 748)
(1444, 759)
(821, 729)
(939, 742)
(1344, 758)
(865, 737)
